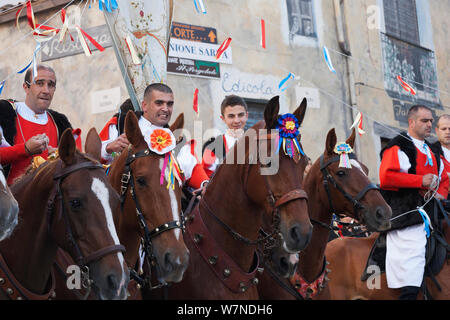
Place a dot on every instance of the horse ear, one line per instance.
(271, 112)
(331, 142)
(132, 130)
(351, 139)
(66, 147)
(179, 123)
(93, 144)
(299, 113)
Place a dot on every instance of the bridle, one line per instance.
(57, 198)
(127, 181)
(274, 201)
(328, 178)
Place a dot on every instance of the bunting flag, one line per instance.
(326, 55)
(358, 121)
(2, 84)
(284, 84)
(406, 86)
(199, 6)
(263, 33)
(195, 103)
(222, 48)
(24, 69)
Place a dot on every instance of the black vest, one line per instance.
(406, 199)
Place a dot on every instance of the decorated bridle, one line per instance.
(287, 138)
(328, 179)
(128, 183)
(57, 199)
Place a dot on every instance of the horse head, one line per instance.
(277, 183)
(348, 189)
(9, 209)
(159, 222)
(82, 223)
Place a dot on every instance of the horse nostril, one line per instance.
(380, 214)
(112, 282)
(295, 234)
(168, 263)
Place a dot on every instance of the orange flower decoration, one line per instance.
(160, 139)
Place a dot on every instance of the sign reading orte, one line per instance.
(193, 33)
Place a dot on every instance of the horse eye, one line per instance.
(75, 203)
(341, 173)
(141, 181)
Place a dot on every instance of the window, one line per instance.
(401, 20)
(255, 111)
(301, 21)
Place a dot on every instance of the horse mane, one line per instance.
(45, 168)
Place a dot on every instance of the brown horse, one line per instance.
(159, 224)
(9, 209)
(150, 216)
(331, 189)
(348, 258)
(65, 203)
(222, 231)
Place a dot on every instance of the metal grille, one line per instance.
(400, 18)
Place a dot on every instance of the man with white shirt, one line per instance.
(409, 169)
(30, 128)
(443, 143)
(157, 109)
(234, 113)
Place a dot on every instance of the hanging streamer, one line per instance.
(222, 48)
(109, 5)
(38, 47)
(195, 103)
(326, 55)
(284, 84)
(82, 34)
(358, 121)
(263, 33)
(426, 221)
(24, 69)
(2, 84)
(406, 86)
(200, 6)
(134, 57)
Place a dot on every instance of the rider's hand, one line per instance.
(427, 180)
(36, 145)
(118, 145)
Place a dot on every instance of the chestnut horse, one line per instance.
(222, 230)
(348, 258)
(150, 215)
(331, 189)
(9, 209)
(65, 203)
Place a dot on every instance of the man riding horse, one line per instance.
(156, 112)
(409, 169)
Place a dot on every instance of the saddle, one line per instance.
(436, 248)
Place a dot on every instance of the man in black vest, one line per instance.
(30, 128)
(410, 173)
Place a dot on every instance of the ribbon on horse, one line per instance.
(343, 149)
(287, 126)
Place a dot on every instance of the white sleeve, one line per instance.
(186, 161)
(4, 143)
(404, 161)
(113, 135)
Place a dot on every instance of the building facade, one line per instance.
(370, 44)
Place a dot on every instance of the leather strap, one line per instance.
(15, 291)
(101, 253)
(291, 195)
(231, 274)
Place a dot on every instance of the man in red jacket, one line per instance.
(30, 128)
(409, 170)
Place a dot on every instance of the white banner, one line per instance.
(198, 51)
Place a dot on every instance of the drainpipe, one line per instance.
(343, 45)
